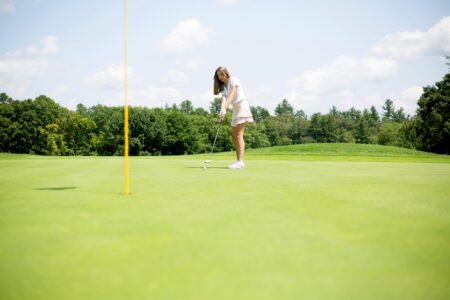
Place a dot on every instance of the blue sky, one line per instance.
(316, 54)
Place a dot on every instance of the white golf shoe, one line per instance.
(237, 165)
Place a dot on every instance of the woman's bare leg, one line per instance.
(238, 140)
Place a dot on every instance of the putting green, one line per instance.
(297, 223)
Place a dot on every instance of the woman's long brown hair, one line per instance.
(218, 84)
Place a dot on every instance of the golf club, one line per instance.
(206, 162)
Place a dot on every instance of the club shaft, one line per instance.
(214, 144)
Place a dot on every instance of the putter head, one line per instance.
(208, 161)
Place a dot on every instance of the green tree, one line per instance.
(399, 115)
(433, 117)
(52, 140)
(110, 128)
(367, 127)
(200, 111)
(255, 137)
(182, 138)
(259, 113)
(284, 108)
(301, 114)
(153, 130)
(408, 134)
(388, 110)
(389, 134)
(215, 106)
(79, 135)
(81, 109)
(298, 131)
(277, 130)
(187, 107)
(23, 126)
(374, 116)
(317, 128)
(390, 114)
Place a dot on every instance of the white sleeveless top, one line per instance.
(240, 95)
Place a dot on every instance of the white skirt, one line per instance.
(241, 113)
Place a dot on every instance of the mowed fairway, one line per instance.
(298, 223)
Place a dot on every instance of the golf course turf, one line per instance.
(314, 221)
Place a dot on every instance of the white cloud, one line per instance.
(440, 37)
(412, 93)
(346, 99)
(264, 97)
(189, 65)
(411, 44)
(372, 68)
(23, 66)
(376, 100)
(182, 72)
(59, 91)
(62, 95)
(146, 96)
(226, 2)
(7, 6)
(152, 96)
(343, 100)
(309, 103)
(342, 73)
(186, 35)
(334, 81)
(407, 44)
(111, 77)
(17, 74)
(175, 77)
(48, 45)
(258, 95)
(408, 99)
(205, 99)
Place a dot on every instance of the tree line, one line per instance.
(42, 126)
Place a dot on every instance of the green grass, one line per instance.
(344, 150)
(302, 222)
(347, 152)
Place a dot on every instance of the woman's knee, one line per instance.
(240, 131)
(234, 132)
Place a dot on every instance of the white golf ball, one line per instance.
(204, 168)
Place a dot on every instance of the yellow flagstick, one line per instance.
(126, 101)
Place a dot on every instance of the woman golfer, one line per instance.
(233, 93)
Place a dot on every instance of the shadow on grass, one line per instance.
(61, 188)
